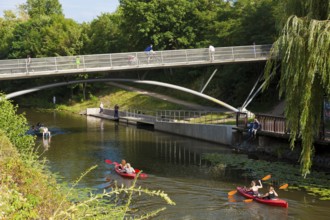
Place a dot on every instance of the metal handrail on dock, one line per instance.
(195, 117)
(268, 123)
(276, 126)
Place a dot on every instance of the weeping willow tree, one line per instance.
(303, 53)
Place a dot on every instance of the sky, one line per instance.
(79, 10)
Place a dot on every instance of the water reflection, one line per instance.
(46, 142)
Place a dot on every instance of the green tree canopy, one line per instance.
(104, 36)
(302, 50)
(37, 8)
(169, 24)
(47, 36)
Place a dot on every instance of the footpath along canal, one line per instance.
(174, 164)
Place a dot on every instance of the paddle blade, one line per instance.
(248, 200)
(284, 186)
(266, 177)
(108, 161)
(233, 192)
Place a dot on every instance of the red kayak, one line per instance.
(130, 175)
(273, 202)
(124, 174)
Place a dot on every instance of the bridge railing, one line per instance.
(268, 123)
(195, 117)
(131, 60)
(277, 125)
(274, 124)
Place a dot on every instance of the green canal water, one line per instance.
(174, 164)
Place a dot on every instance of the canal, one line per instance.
(173, 163)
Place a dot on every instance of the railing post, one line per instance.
(137, 59)
(83, 58)
(110, 60)
(186, 56)
(56, 65)
(161, 57)
(232, 52)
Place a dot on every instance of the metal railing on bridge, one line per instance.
(195, 117)
(21, 68)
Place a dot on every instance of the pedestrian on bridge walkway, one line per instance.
(211, 53)
(78, 62)
(28, 63)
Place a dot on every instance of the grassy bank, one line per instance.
(125, 99)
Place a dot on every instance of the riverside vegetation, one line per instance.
(28, 190)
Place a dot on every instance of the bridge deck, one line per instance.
(48, 66)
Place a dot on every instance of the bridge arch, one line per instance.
(217, 101)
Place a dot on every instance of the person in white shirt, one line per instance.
(129, 169)
(211, 53)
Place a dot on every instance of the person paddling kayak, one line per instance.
(254, 188)
(271, 194)
(122, 165)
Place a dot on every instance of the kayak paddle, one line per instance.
(266, 177)
(137, 170)
(248, 200)
(110, 162)
(284, 186)
(233, 192)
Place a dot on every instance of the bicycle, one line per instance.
(133, 60)
(152, 57)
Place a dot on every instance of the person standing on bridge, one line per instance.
(211, 53)
(78, 62)
(28, 63)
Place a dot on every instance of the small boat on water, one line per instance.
(130, 175)
(272, 202)
(125, 174)
(40, 131)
